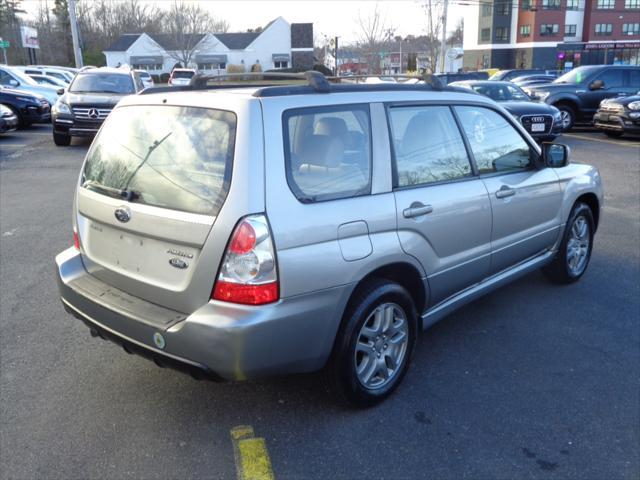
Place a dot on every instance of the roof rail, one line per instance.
(307, 82)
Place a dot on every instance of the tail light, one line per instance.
(76, 240)
(248, 273)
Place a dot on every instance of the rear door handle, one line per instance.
(417, 209)
(505, 192)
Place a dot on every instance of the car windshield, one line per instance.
(182, 74)
(575, 76)
(102, 83)
(500, 92)
(167, 156)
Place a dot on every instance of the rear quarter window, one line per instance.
(173, 157)
(328, 152)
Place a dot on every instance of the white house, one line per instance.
(279, 45)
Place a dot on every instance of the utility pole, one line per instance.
(336, 56)
(443, 44)
(74, 33)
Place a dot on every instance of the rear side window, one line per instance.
(328, 152)
(172, 157)
(428, 146)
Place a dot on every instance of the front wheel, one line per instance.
(61, 140)
(374, 345)
(567, 115)
(574, 253)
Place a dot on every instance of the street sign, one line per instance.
(4, 44)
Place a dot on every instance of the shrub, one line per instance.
(232, 68)
(164, 78)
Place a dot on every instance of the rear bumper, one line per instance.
(217, 341)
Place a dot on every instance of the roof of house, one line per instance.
(171, 42)
(237, 41)
(123, 42)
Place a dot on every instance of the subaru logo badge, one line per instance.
(93, 113)
(178, 263)
(158, 340)
(123, 214)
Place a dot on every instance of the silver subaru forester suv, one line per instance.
(240, 232)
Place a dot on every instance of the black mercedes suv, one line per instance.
(578, 93)
(91, 96)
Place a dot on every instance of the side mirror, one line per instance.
(14, 83)
(60, 91)
(555, 155)
(596, 85)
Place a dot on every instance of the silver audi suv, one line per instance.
(241, 232)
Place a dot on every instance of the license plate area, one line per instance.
(537, 127)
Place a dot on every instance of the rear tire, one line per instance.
(568, 115)
(61, 140)
(574, 252)
(374, 345)
(21, 122)
(613, 133)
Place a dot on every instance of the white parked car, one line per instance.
(49, 81)
(181, 76)
(50, 72)
(13, 78)
(147, 79)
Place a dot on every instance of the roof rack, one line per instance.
(269, 84)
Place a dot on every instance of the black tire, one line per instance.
(340, 373)
(570, 113)
(613, 133)
(61, 140)
(559, 270)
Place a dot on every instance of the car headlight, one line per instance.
(61, 107)
(4, 110)
(634, 106)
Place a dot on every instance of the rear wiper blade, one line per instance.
(128, 195)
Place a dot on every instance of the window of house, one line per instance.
(503, 7)
(549, 29)
(572, 4)
(485, 34)
(428, 146)
(606, 4)
(631, 28)
(631, 4)
(525, 30)
(486, 9)
(152, 67)
(328, 152)
(604, 28)
(525, 4)
(496, 145)
(570, 30)
(502, 33)
(550, 4)
(280, 64)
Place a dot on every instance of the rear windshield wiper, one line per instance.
(128, 195)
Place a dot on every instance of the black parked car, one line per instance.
(8, 119)
(90, 98)
(28, 107)
(508, 75)
(448, 78)
(527, 80)
(542, 121)
(578, 93)
(617, 116)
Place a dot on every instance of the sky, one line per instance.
(330, 17)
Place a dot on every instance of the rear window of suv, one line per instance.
(328, 152)
(182, 74)
(167, 156)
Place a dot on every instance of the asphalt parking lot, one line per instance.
(534, 381)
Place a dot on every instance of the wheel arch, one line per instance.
(591, 200)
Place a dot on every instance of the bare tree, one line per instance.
(371, 34)
(455, 37)
(185, 23)
(434, 10)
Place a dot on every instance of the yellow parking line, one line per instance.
(251, 456)
(613, 142)
(14, 145)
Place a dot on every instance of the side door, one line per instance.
(525, 200)
(613, 85)
(442, 208)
